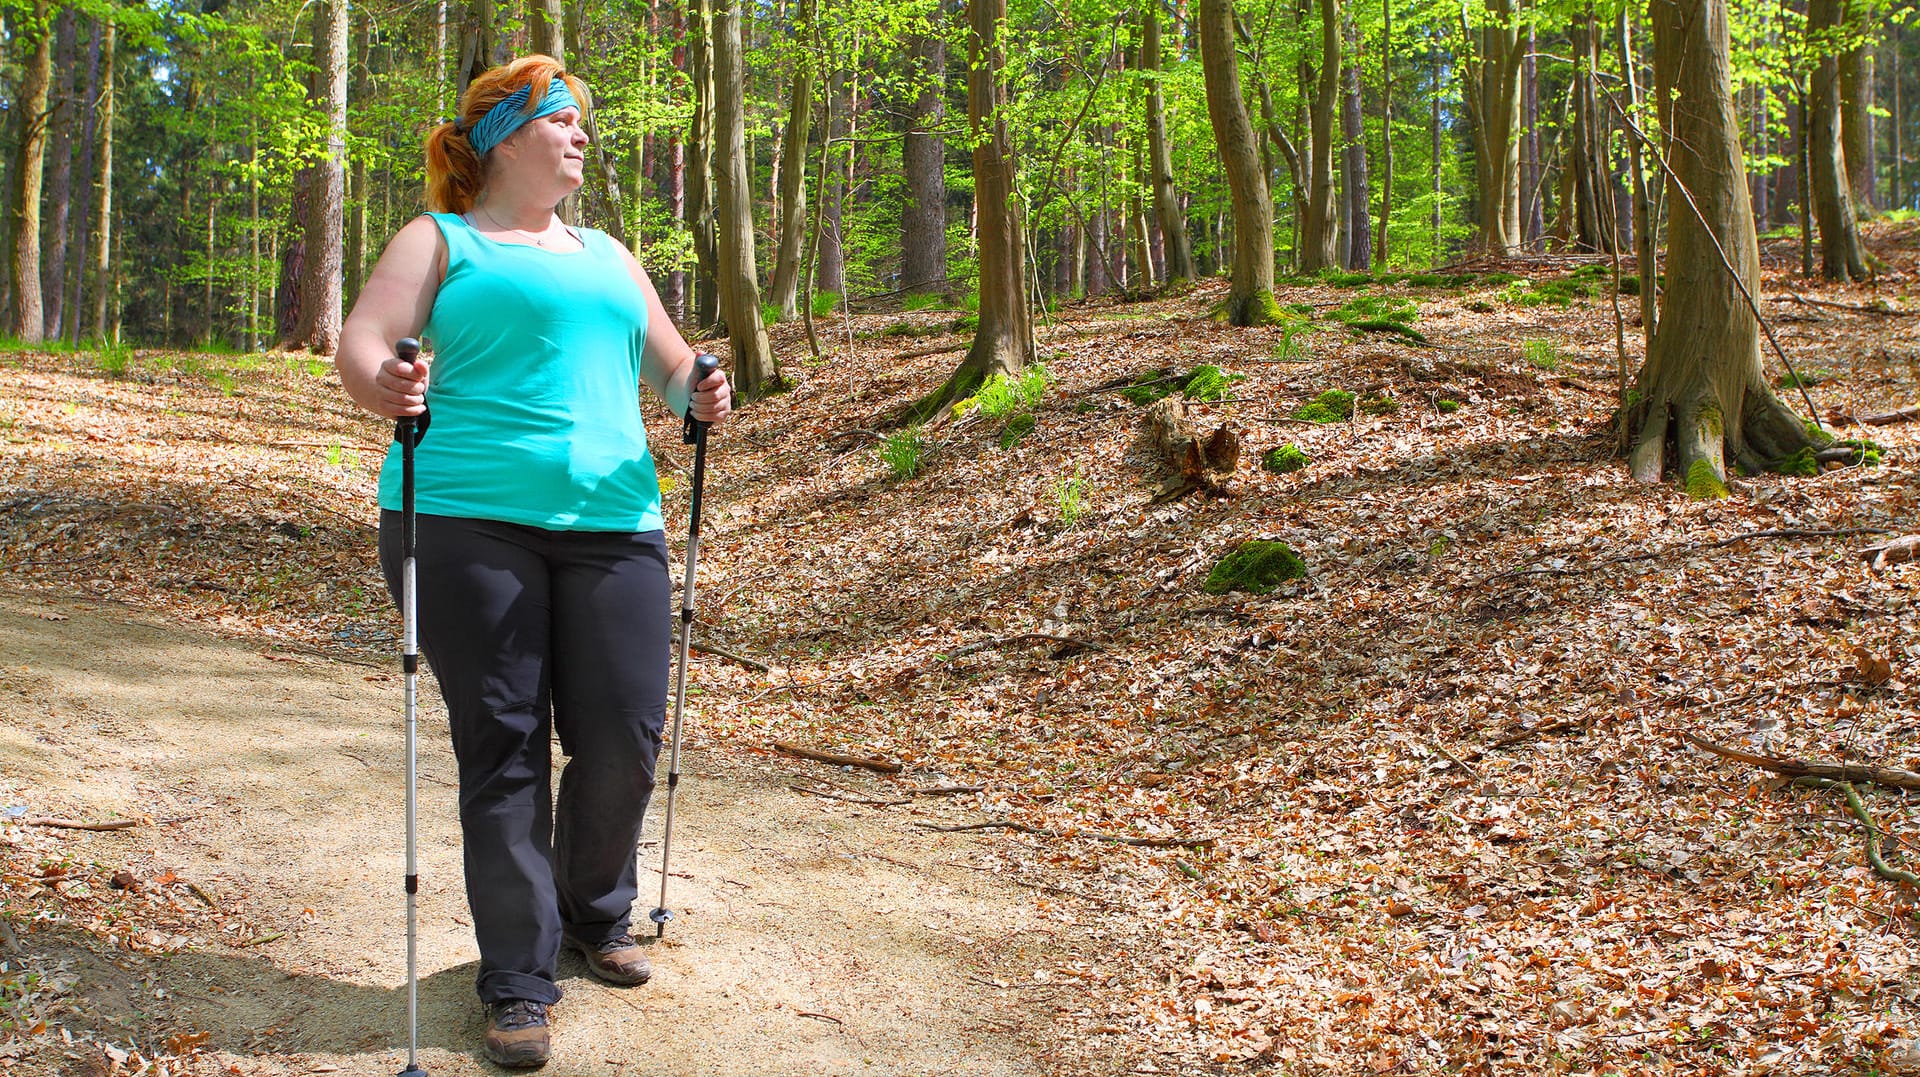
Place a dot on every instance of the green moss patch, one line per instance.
(1017, 427)
(1803, 463)
(1332, 406)
(1209, 382)
(1257, 567)
(1384, 404)
(1284, 460)
(1703, 484)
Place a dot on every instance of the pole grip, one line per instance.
(703, 365)
(409, 429)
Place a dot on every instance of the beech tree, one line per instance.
(1841, 256)
(1251, 300)
(316, 324)
(754, 367)
(26, 316)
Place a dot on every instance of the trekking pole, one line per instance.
(693, 433)
(407, 431)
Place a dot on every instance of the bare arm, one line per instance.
(667, 362)
(395, 303)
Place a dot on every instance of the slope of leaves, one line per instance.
(1426, 809)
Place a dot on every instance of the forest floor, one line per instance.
(1428, 809)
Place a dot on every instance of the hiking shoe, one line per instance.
(517, 1033)
(618, 960)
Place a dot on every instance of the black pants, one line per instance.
(531, 631)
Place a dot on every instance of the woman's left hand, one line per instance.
(712, 399)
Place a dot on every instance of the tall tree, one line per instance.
(103, 231)
(1353, 162)
(1250, 302)
(1166, 201)
(1841, 256)
(1317, 225)
(75, 284)
(1857, 110)
(793, 188)
(754, 368)
(26, 316)
(1386, 131)
(317, 322)
(923, 261)
(1702, 394)
(478, 41)
(1493, 104)
(53, 292)
(546, 28)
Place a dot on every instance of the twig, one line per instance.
(1859, 810)
(1892, 552)
(946, 790)
(203, 895)
(1434, 743)
(1904, 415)
(1809, 301)
(1892, 777)
(1024, 637)
(1568, 726)
(883, 766)
(1043, 832)
(258, 940)
(831, 794)
(819, 1016)
(921, 353)
(68, 824)
(720, 652)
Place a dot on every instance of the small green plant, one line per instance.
(1541, 354)
(1398, 310)
(333, 455)
(1448, 407)
(1070, 499)
(1794, 379)
(1341, 278)
(770, 314)
(825, 303)
(114, 360)
(1209, 383)
(1293, 346)
(1002, 396)
(966, 323)
(927, 301)
(1332, 406)
(1866, 453)
(1284, 460)
(1803, 463)
(317, 368)
(1559, 293)
(904, 452)
(1017, 427)
(1383, 404)
(1256, 567)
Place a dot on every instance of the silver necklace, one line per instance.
(539, 240)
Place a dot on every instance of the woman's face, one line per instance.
(552, 145)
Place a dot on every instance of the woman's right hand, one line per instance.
(400, 387)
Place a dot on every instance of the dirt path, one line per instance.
(813, 938)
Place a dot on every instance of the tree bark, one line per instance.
(1533, 219)
(1856, 122)
(700, 166)
(1493, 104)
(1166, 200)
(793, 192)
(104, 283)
(1585, 150)
(53, 288)
(546, 27)
(26, 316)
(1702, 392)
(1841, 256)
(754, 368)
(477, 45)
(923, 263)
(356, 206)
(1353, 164)
(1003, 342)
(317, 323)
(75, 284)
(1386, 132)
(1250, 301)
(1317, 225)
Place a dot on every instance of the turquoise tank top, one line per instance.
(535, 389)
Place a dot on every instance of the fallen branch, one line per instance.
(946, 790)
(883, 766)
(819, 1016)
(68, 824)
(833, 794)
(1043, 832)
(1859, 810)
(1024, 637)
(1435, 744)
(1904, 415)
(718, 652)
(1688, 547)
(1882, 307)
(1569, 725)
(1892, 552)
(942, 350)
(1892, 777)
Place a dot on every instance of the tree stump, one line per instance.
(1198, 461)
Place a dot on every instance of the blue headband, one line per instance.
(511, 114)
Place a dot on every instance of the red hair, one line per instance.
(455, 174)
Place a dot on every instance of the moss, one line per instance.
(1712, 421)
(966, 323)
(1448, 407)
(1866, 453)
(1209, 382)
(1800, 463)
(1284, 460)
(1703, 484)
(1264, 309)
(1384, 404)
(1372, 325)
(1341, 278)
(1332, 406)
(1017, 427)
(1256, 567)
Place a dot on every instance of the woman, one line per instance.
(541, 561)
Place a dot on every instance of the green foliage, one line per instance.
(1541, 354)
(1284, 460)
(1560, 292)
(1019, 426)
(1001, 396)
(1703, 484)
(1332, 406)
(1209, 383)
(1801, 463)
(1795, 379)
(825, 303)
(1384, 404)
(770, 314)
(904, 452)
(1294, 344)
(1070, 499)
(1448, 407)
(1381, 309)
(1256, 567)
(114, 359)
(1865, 453)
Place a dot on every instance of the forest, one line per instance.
(1313, 538)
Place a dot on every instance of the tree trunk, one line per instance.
(1166, 201)
(673, 188)
(923, 263)
(1533, 218)
(477, 44)
(1003, 342)
(700, 166)
(1317, 238)
(546, 28)
(793, 192)
(1585, 159)
(104, 284)
(1841, 257)
(317, 324)
(1856, 122)
(830, 274)
(53, 288)
(1702, 392)
(1353, 164)
(1386, 132)
(1493, 103)
(356, 218)
(1646, 262)
(606, 190)
(1250, 302)
(75, 283)
(754, 369)
(27, 318)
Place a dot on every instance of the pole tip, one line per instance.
(413, 1070)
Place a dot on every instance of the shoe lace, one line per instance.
(614, 945)
(519, 1013)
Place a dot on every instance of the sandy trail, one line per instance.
(813, 938)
